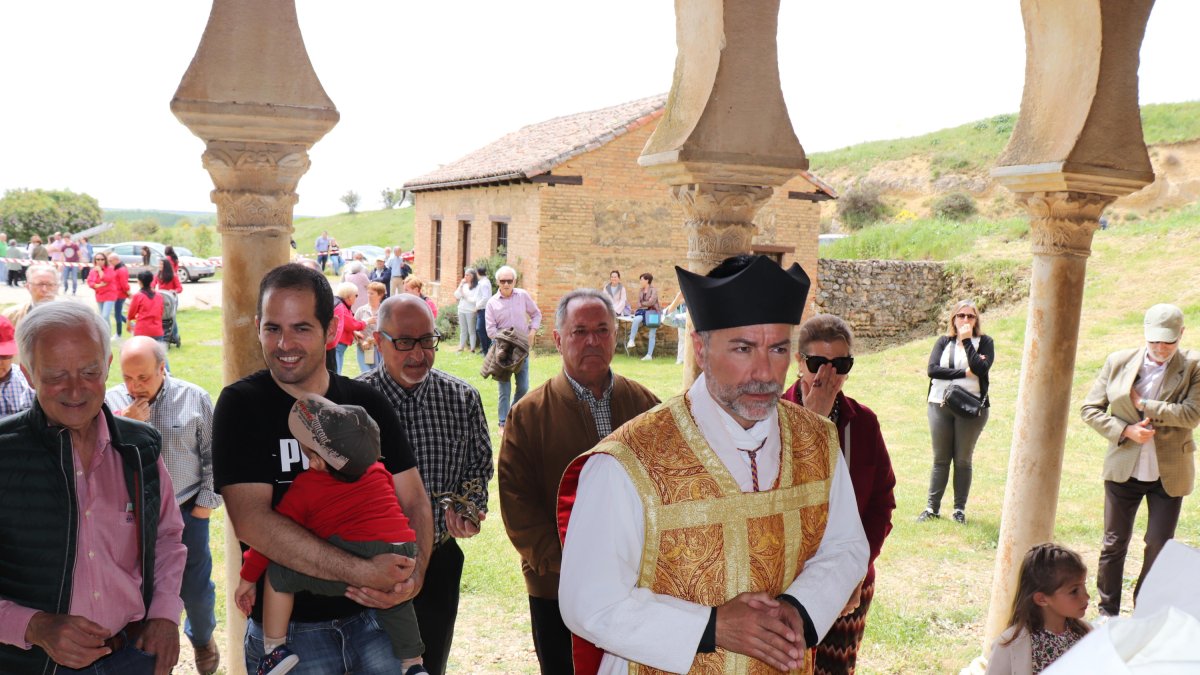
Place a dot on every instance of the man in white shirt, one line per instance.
(686, 528)
(1146, 402)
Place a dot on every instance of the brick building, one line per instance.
(568, 201)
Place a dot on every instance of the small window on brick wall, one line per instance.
(500, 238)
(437, 250)
(775, 253)
(464, 233)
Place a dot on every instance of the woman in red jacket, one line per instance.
(146, 309)
(103, 280)
(167, 278)
(824, 354)
(121, 273)
(346, 294)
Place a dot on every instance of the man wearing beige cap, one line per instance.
(1146, 402)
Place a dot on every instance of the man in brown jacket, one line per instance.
(551, 426)
(1146, 402)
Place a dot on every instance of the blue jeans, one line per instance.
(127, 661)
(363, 366)
(633, 329)
(106, 310)
(485, 342)
(506, 390)
(198, 591)
(340, 353)
(166, 361)
(70, 274)
(119, 313)
(355, 644)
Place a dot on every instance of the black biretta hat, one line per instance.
(758, 292)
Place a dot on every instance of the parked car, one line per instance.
(191, 268)
(371, 253)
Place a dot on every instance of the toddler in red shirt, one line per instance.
(347, 497)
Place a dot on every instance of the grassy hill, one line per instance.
(974, 146)
(163, 218)
(381, 228)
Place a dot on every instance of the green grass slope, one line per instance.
(163, 218)
(976, 145)
(379, 228)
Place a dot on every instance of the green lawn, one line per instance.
(386, 227)
(933, 578)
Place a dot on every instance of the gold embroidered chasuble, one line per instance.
(707, 541)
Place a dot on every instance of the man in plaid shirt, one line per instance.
(444, 418)
(15, 393)
(182, 412)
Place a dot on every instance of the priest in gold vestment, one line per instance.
(718, 532)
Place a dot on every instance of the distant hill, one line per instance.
(911, 172)
(387, 227)
(163, 218)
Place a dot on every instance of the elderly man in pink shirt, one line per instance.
(92, 554)
(512, 307)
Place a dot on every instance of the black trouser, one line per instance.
(1121, 502)
(437, 604)
(551, 638)
(953, 440)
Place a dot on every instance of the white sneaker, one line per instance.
(647, 357)
(629, 345)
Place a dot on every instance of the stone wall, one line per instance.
(883, 298)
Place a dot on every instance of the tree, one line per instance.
(27, 212)
(350, 199)
(390, 197)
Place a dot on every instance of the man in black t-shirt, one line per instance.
(255, 459)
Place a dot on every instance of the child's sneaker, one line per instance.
(279, 661)
(416, 669)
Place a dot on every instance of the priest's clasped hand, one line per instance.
(761, 627)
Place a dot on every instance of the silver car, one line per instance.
(191, 268)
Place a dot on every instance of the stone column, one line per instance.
(252, 96)
(725, 140)
(1077, 147)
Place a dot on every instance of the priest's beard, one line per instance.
(731, 397)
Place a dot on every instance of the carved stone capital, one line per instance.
(719, 220)
(257, 167)
(240, 212)
(1062, 223)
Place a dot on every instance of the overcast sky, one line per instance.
(87, 84)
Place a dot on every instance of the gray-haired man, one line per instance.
(182, 412)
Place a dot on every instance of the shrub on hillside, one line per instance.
(861, 205)
(955, 206)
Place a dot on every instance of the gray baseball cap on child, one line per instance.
(344, 436)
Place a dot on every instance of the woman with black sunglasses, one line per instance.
(824, 345)
(961, 357)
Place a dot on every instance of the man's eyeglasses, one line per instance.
(964, 315)
(44, 284)
(841, 365)
(407, 344)
(505, 281)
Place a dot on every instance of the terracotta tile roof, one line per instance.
(538, 148)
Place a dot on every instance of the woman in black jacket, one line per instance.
(961, 357)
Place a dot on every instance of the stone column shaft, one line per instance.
(252, 96)
(1061, 230)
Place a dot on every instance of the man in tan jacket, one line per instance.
(551, 426)
(1146, 402)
